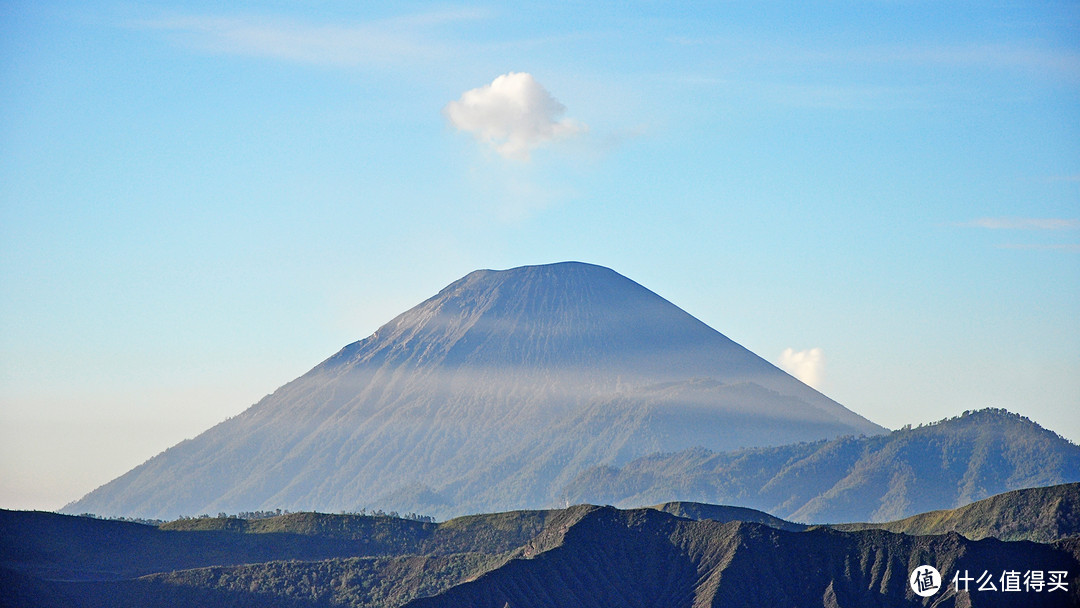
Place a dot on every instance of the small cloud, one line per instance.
(514, 114)
(1023, 223)
(806, 365)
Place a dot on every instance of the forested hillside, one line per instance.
(881, 478)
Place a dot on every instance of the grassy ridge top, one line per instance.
(1035, 514)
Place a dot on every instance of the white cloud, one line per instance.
(806, 365)
(514, 114)
(1024, 223)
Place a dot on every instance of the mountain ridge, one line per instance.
(659, 560)
(941, 465)
(585, 555)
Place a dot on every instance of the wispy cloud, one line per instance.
(1017, 56)
(994, 56)
(374, 42)
(806, 365)
(1023, 223)
(808, 95)
(1042, 247)
(840, 97)
(824, 75)
(514, 114)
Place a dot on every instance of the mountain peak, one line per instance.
(563, 316)
(554, 268)
(489, 395)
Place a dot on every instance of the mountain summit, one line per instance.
(490, 395)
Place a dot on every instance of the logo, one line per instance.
(925, 581)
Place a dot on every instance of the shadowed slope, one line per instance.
(644, 558)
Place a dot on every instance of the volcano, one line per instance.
(488, 396)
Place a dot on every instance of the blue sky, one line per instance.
(198, 204)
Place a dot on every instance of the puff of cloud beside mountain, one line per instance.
(514, 114)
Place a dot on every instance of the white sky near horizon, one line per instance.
(199, 204)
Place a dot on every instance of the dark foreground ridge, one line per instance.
(582, 556)
(490, 395)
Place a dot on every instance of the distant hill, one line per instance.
(582, 556)
(1036, 514)
(943, 465)
(490, 395)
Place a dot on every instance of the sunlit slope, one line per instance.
(488, 396)
(1037, 514)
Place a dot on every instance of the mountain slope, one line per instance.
(881, 478)
(490, 395)
(1035, 514)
